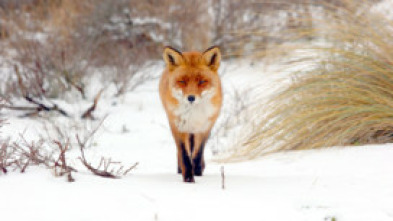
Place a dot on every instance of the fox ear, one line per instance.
(172, 57)
(212, 57)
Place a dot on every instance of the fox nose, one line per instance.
(191, 98)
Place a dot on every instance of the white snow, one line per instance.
(383, 7)
(342, 184)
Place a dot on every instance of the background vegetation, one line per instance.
(340, 95)
(54, 49)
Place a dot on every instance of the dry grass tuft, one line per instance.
(344, 97)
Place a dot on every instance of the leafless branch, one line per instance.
(105, 167)
(61, 161)
(89, 112)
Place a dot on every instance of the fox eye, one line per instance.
(202, 82)
(182, 82)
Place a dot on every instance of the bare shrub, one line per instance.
(52, 152)
(244, 28)
(122, 44)
(82, 139)
(23, 154)
(31, 153)
(74, 42)
(42, 73)
(106, 167)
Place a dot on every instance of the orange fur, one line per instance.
(191, 74)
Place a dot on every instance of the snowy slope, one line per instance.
(349, 184)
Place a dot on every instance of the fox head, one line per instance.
(193, 75)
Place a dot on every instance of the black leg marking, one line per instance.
(178, 166)
(199, 162)
(187, 175)
(192, 143)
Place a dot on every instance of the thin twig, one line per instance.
(89, 112)
(222, 178)
(131, 168)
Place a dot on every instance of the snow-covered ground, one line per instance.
(350, 184)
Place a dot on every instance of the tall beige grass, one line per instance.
(343, 96)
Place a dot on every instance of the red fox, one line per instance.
(190, 91)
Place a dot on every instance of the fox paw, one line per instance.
(189, 179)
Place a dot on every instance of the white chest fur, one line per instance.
(194, 117)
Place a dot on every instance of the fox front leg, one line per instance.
(184, 157)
